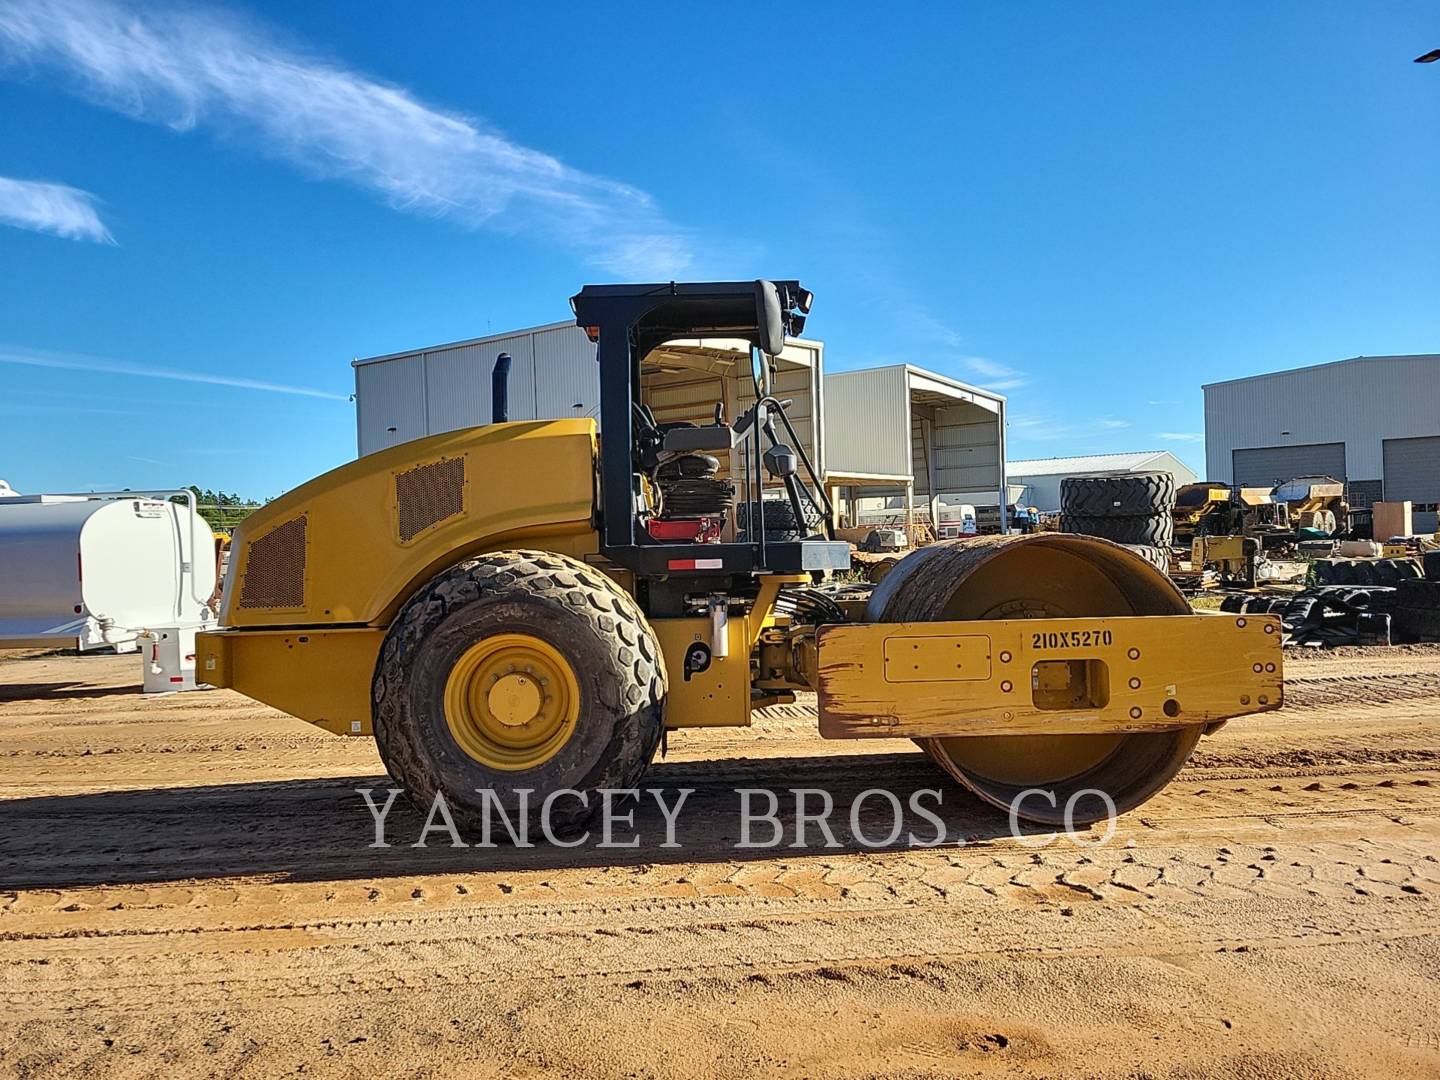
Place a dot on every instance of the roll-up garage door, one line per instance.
(1412, 471)
(1266, 466)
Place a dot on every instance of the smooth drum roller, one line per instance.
(1041, 576)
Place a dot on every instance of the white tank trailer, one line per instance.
(124, 570)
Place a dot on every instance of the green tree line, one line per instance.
(222, 509)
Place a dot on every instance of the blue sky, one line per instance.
(1093, 207)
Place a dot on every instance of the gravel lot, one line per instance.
(186, 888)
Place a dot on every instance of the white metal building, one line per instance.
(1372, 421)
(902, 428)
(1041, 476)
(897, 430)
(554, 374)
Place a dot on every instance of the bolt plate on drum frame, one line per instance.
(939, 658)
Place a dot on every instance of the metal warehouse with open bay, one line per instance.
(898, 430)
(1372, 422)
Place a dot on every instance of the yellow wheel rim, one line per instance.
(512, 701)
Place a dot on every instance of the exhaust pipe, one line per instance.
(500, 390)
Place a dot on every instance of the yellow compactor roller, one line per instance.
(528, 606)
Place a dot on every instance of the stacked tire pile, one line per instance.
(1417, 604)
(1367, 571)
(780, 520)
(1326, 616)
(1358, 602)
(1133, 509)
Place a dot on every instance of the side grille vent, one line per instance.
(275, 570)
(429, 494)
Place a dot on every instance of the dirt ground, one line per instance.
(186, 889)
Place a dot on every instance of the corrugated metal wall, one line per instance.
(867, 422)
(390, 403)
(964, 442)
(411, 395)
(1271, 465)
(1412, 471)
(553, 374)
(567, 377)
(1359, 402)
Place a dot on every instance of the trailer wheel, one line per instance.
(1043, 575)
(519, 670)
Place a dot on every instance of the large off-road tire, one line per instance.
(1419, 594)
(780, 520)
(1131, 495)
(1156, 556)
(1431, 562)
(519, 670)
(1412, 625)
(1156, 530)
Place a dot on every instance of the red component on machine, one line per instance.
(702, 530)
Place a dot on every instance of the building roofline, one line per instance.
(400, 354)
(925, 373)
(815, 343)
(1317, 367)
(1141, 457)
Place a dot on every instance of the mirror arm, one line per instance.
(824, 505)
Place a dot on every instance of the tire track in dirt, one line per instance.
(1298, 849)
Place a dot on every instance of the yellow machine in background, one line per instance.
(1206, 509)
(507, 608)
(1316, 503)
(1235, 557)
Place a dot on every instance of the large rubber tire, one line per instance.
(586, 619)
(1037, 576)
(1158, 557)
(780, 521)
(1431, 561)
(1156, 530)
(1415, 624)
(1419, 594)
(1131, 495)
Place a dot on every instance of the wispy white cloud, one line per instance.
(996, 376)
(1156, 402)
(947, 342)
(1182, 436)
(1084, 434)
(189, 67)
(51, 208)
(10, 354)
(1040, 428)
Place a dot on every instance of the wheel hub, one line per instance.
(511, 701)
(515, 699)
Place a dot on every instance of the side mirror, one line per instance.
(769, 318)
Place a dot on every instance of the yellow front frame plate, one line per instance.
(322, 676)
(1025, 676)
